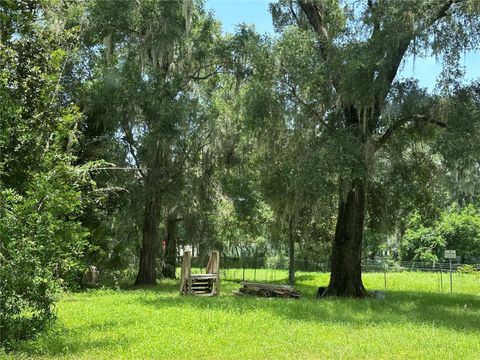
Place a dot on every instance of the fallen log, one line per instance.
(268, 290)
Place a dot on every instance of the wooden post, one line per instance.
(185, 272)
(213, 267)
(213, 263)
(218, 272)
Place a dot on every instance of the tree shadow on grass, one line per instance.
(73, 342)
(164, 285)
(306, 277)
(457, 311)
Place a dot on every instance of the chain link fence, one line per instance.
(385, 275)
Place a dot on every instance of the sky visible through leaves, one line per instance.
(233, 12)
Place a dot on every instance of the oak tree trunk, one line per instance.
(170, 257)
(148, 253)
(346, 272)
(291, 253)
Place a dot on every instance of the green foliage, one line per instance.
(242, 140)
(422, 244)
(41, 249)
(373, 243)
(292, 165)
(460, 229)
(237, 135)
(457, 229)
(41, 239)
(467, 269)
(278, 261)
(143, 102)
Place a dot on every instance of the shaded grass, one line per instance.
(158, 323)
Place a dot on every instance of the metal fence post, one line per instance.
(255, 267)
(243, 266)
(385, 275)
(441, 278)
(451, 286)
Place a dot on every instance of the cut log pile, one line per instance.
(268, 290)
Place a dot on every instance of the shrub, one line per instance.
(41, 239)
(467, 269)
(41, 245)
(461, 231)
(457, 229)
(278, 261)
(421, 243)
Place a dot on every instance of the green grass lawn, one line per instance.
(414, 321)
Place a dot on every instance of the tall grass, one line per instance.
(414, 321)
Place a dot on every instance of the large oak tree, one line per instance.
(147, 57)
(360, 47)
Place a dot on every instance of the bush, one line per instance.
(41, 244)
(457, 229)
(279, 261)
(41, 239)
(461, 231)
(421, 243)
(467, 269)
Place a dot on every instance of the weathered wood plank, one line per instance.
(200, 284)
(269, 290)
(203, 276)
(213, 263)
(268, 286)
(185, 273)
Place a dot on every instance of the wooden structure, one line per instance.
(268, 290)
(90, 276)
(207, 284)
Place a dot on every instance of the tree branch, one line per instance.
(206, 76)
(443, 11)
(196, 74)
(314, 112)
(399, 124)
(294, 15)
(315, 17)
(392, 59)
(133, 151)
(376, 22)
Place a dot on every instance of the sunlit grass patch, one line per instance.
(158, 323)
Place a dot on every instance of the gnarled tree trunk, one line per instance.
(170, 257)
(346, 272)
(148, 253)
(346, 259)
(151, 221)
